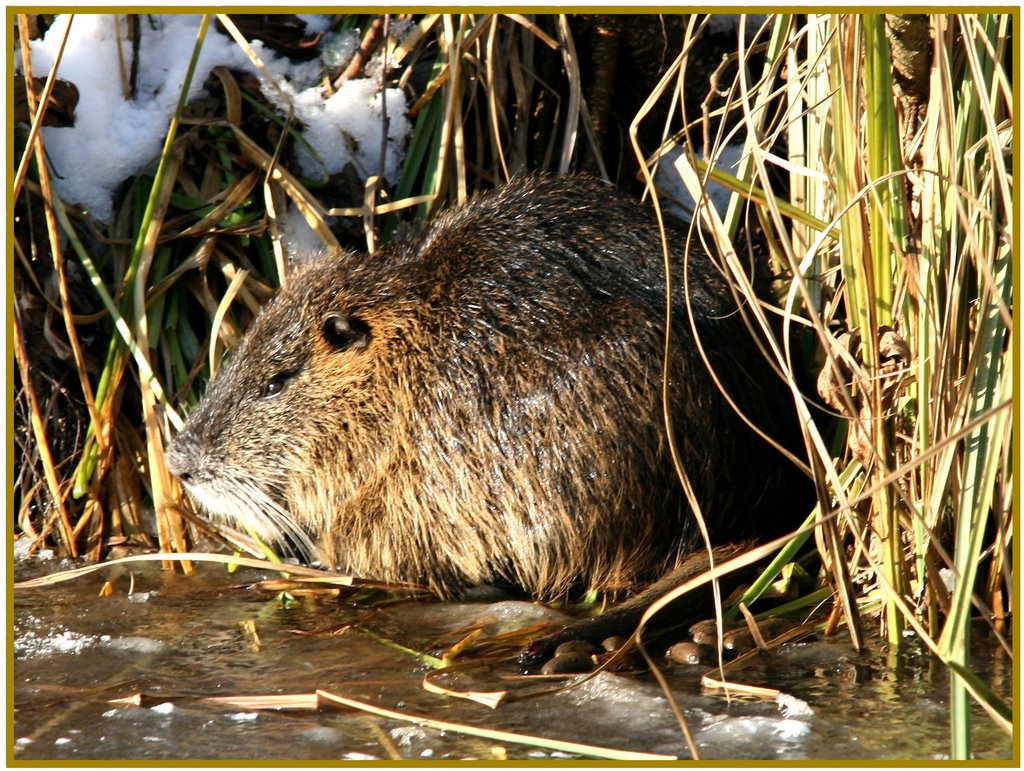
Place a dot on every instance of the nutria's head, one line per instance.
(297, 382)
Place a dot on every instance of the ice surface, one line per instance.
(495, 618)
(791, 706)
(23, 550)
(143, 645)
(55, 641)
(775, 736)
(619, 695)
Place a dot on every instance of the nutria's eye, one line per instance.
(276, 385)
(346, 333)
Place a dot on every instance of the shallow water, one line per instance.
(177, 641)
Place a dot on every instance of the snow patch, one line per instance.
(678, 200)
(116, 137)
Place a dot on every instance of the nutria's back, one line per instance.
(482, 402)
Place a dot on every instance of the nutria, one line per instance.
(481, 402)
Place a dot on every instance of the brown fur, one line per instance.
(481, 402)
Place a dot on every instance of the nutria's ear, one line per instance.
(346, 333)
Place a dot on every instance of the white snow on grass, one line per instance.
(728, 22)
(115, 138)
(678, 200)
(337, 139)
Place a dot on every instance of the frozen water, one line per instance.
(791, 706)
(53, 641)
(143, 645)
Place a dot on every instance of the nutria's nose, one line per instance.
(181, 457)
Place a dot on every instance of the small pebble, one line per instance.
(612, 644)
(685, 653)
(706, 632)
(738, 640)
(773, 627)
(568, 664)
(573, 647)
(736, 636)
